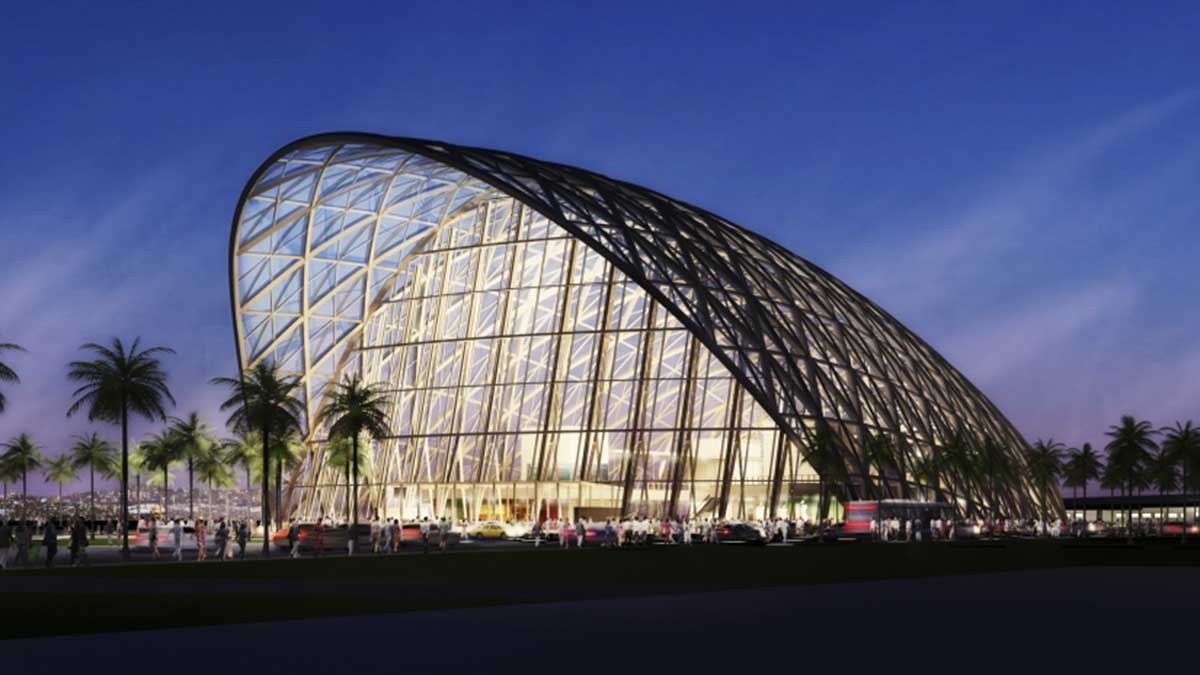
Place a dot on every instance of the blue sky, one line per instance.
(1016, 183)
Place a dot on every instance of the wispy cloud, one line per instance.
(994, 346)
(972, 243)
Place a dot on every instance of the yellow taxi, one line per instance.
(488, 529)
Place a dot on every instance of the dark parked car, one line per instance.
(739, 533)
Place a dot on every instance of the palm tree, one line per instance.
(262, 400)
(823, 455)
(285, 454)
(242, 452)
(159, 452)
(1083, 465)
(7, 374)
(1183, 443)
(352, 409)
(878, 452)
(114, 385)
(213, 471)
(996, 471)
(1044, 463)
(61, 470)
(94, 454)
(956, 462)
(1163, 474)
(194, 442)
(339, 451)
(9, 473)
(24, 456)
(926, 472)
(135, 467)
(1129, 454)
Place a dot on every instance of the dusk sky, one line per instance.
(1018, 184)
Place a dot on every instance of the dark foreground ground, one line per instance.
(1062, 620)
(705, 603)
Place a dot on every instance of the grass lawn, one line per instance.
(263, 590)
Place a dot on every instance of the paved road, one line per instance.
(1076, 618)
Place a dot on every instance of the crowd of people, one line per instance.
(17, 539)
(177, 532)
(24, 543)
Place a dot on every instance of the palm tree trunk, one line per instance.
(823, 501)
(191, 492)
(92, 474)
(354, 517)
(266, 491)
(124, 480)
(1042, 499)
(1129, 509)
(166, 494)
(279, 490)
(1184, 462)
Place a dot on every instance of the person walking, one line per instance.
(5, 543)
(320, 537)
(79, 544)
(376, 533)
(152, 530)
(293, 539)
(562, 533)
(385, 536)
(443, 533)
(222, 538)
(580, 533)
(243, 534)
(72, 544)
(397, 535)
(177, 538)
(22, 557)
(425, 533)
(50, 542)
(198, 535)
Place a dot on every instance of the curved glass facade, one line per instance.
(554, 340)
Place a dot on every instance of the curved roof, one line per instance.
(809, 348)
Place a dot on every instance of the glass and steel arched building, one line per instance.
(554, 340)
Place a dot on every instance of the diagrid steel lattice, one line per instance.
(556, 341)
